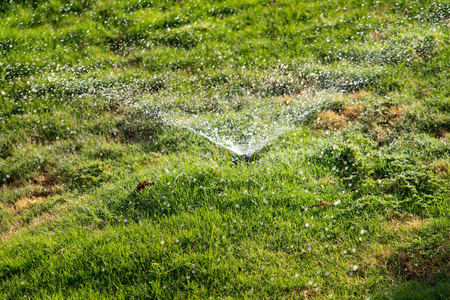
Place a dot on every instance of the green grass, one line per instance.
(84, 93)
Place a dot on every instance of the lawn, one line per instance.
(351, 97)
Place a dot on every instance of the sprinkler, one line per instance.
(248, 158)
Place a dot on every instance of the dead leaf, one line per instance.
(143, 185)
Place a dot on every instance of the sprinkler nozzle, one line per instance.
(247, 158)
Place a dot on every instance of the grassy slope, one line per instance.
(72, 150)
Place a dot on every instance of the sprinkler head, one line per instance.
(247, 158)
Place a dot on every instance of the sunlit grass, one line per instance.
(92, 95)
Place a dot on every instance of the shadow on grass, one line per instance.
(419, 290)
(422, 263)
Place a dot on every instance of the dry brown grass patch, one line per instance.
(410, 267)
(406, 261)
(303, 294)
(45, 179)
(396, 112)
(353, 111)
(27, 203)
(380, 254)
(45, 218)
(331, 120)
(35, 222)
(45, 191)
(286, 99)
(441, 167)
(444, 136)
(44, 186)
(407, 223)
(339, 119)
(416, 223)
(384, 254)
(14, 185)
(37, 192)
(409, 270)
(359, 95)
